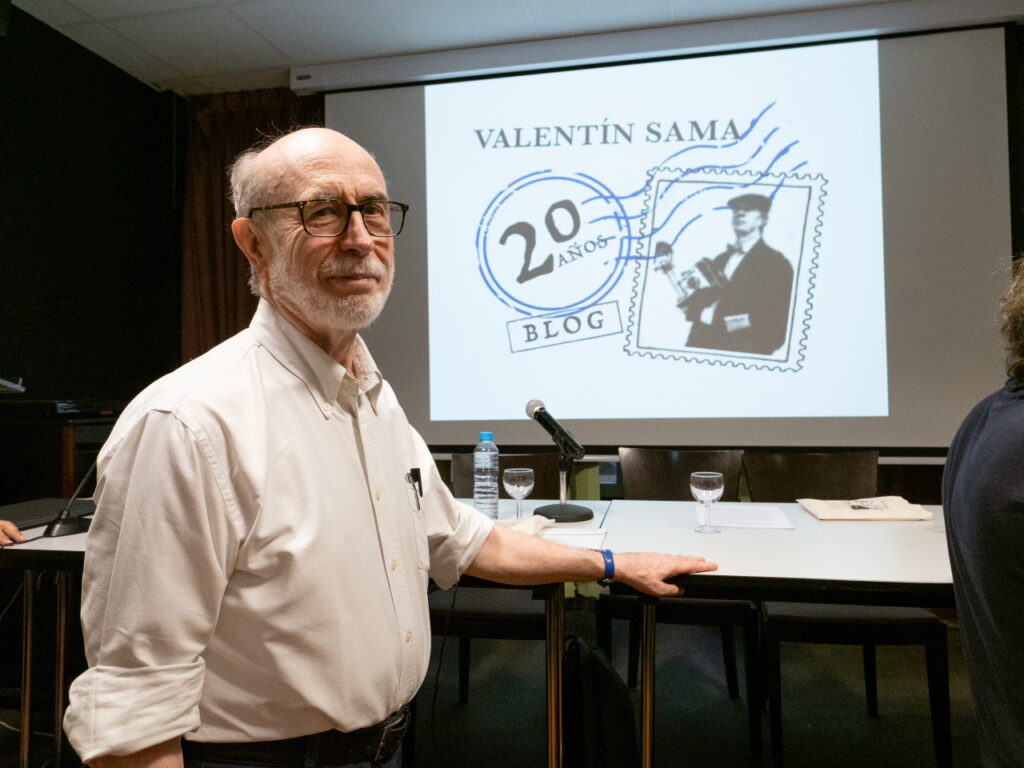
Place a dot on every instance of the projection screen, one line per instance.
(796, 246)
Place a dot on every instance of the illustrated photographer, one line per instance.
(738, 301)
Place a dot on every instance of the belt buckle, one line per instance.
(392, 733)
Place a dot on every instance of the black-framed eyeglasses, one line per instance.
(329, 218)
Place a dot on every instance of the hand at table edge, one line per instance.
(649, 572)
(9, 533)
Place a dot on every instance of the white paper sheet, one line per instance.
(586, 538)
(748, 516)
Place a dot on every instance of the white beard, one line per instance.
(320, 308)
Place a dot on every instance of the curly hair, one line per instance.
(1012, 307)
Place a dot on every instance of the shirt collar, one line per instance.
(326, 380)
(744, 245)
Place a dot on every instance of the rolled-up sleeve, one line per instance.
(159, 552)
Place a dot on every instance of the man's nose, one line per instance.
(356, 237)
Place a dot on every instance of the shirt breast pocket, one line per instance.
(419, 525)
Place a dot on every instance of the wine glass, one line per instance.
(706, 488)
(518, 482)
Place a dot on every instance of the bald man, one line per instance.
(256, 573)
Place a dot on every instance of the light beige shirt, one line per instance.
(257, 567)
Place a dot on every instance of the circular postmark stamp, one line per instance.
(553, 243)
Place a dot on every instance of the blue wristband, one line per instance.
(609, 568)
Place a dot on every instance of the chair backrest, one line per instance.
(788, 476)
(544, 466)
(660, 473)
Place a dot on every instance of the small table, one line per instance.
(903, 563)
(65, 556)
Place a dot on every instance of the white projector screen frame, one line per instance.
(946, 235)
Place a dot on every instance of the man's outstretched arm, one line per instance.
(511, 557)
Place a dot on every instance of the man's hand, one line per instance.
(9, 533)
(647, 571)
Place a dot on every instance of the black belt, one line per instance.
(376, 743)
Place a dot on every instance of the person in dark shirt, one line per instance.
(983, 502)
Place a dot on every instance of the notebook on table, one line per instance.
(876, 508)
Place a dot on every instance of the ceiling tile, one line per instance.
(458, 23)
(240, 44)
(111, 46)
(56, 13)
(561, 18)
(202, 40)
(120, 9)
(318, 30)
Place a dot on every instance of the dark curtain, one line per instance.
(215, 298)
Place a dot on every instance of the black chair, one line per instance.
(492, 612)
(842, 475)
(787, 476)
(662, 474)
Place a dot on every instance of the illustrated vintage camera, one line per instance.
(696, 287)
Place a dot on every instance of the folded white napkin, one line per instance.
(531, 526)
(876, 508)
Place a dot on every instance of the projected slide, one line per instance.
(685, 239)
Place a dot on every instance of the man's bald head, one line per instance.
(262, 173)
(284, 169)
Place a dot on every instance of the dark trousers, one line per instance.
(310, 762)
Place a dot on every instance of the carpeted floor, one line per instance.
(825, 718)
(697, 724)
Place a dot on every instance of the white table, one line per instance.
(63, 555)
(867, 562)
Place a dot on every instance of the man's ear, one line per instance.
(253, 244)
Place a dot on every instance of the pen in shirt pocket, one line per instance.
(415, 482)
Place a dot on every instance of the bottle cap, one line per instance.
(485, 436)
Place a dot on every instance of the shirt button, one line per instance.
(394, 565)
(327, 407)
(378, 494)
(408, 635)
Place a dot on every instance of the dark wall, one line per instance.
(1015, 120)
(90, 276)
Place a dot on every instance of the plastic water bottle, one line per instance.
(485, 475)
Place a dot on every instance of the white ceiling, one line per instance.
(206, 46)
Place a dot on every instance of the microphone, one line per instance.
(64, 524)
(567, 444)
(570, 449)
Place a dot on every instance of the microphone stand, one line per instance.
(64, 524)
(563, 512)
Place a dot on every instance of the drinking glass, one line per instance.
(518, 482)
(706, 488)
